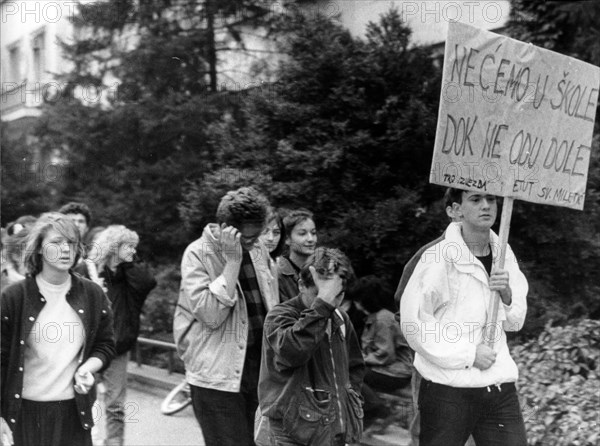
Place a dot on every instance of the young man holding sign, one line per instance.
(468, 385)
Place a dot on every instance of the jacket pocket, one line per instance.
(306, 414)
(301, 423)
(355, 416)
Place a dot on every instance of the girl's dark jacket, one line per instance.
(21, 304)
(128, 287)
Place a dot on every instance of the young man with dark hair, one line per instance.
(80, 214)
(467, 387)
(227, 287)
(312, 367)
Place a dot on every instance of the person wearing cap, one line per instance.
(468, 387)
(312, 367)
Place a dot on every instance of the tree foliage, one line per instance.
(29, 184)
(559, 384)
(347, 132)
(132, 149)
(561, 247)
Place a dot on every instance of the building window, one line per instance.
(14, 63)
(38, 46)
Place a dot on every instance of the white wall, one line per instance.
(20, 20)
(427, 18)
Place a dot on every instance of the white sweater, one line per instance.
(53, 347)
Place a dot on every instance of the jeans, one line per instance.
(449, 415)
(115, 381)
(226, 418)
(385, 383)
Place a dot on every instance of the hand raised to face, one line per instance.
(230, 243)
(329, 284)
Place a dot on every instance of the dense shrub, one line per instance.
(560, 385)
(157, 317)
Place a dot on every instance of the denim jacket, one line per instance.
(311, 373)
(210, 328)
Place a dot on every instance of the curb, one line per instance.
(153, 376)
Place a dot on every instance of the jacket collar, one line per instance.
(75, 294)
(285, 267)
(210, 236)
(456, 251)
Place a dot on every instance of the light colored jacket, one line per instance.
(446, 305)
(210, 328)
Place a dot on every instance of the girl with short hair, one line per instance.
(56, 333)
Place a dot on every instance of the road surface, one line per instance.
(146, 426)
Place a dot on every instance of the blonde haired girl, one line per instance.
(127, 283)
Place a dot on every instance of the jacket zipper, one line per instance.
(335, 381)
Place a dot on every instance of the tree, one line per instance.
(347, 131)
(137, 112)
(561, 247)
(30, 185)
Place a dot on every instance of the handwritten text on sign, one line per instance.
(515, 120)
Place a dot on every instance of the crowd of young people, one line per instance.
(271, 355)
(62, 333)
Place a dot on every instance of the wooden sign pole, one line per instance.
(489, 337)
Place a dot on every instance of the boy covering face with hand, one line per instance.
(312, 367)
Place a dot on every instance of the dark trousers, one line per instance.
(50, 423)
(278, 437)
(378, 382)
(385, 383)
(226, 418)
(449, 415)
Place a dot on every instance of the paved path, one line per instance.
(146, 426)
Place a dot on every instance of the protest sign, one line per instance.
(515, 120)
